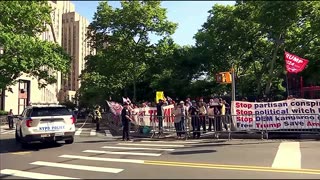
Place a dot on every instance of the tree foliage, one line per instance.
(122, 39)
(23, 50)
(250, 36)
(253, 35)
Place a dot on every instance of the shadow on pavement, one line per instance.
(192, 152)
(210, 144)
(95, 141)
(11, 146)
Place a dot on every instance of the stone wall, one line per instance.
(3, 119)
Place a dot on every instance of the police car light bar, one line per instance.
(44, 104)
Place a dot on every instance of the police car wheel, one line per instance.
(24, 144)
(69, 141)
(17, 136)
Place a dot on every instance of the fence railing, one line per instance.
(193, 126)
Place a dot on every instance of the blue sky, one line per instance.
(190, 15)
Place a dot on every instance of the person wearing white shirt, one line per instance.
(177, 113)
(211, 117)
(184, 113)
(202, 115)
(188, 116)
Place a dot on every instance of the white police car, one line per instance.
(45, 123)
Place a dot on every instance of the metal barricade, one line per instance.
(213, 126)
(191, 126)
(277, 123)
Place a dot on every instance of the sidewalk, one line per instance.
(235, 135)
(3, 121)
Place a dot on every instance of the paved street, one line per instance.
(84, 129)
(104, 157)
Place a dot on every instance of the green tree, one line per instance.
(22, 50)
(122, 39)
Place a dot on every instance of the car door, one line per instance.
(20, 119)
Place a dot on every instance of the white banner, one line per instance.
(148, 116)
(143, 116)
(287, 114)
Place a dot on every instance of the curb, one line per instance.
(225, 135)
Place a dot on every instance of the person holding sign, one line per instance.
(159, 114)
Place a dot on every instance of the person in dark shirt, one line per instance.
(125, 117)
(10, 119)
(218, 122)
(159, 114)
(194, 112)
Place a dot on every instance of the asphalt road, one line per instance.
(107, 158)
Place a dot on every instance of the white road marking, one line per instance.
(4, 127)
(78, 167)
(93, 132)
(8, 131)
(173, 142)
(136, 148)
(122, 153)
(155, 145)
(135, 161)
(108, 133)
(31, 175)
(288, 156)
(78, 132)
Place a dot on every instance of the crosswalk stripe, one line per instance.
(288, 156)
(155, 145)
(135, 161)
(8, 132)
(108, 133)
(31, 175)
(78, 132)
(22, 152)
(122, 153)
(136, 148)
(4, 127)
(78, 167)
(93, 132)
(173, 142)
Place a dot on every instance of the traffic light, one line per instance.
(224, 78)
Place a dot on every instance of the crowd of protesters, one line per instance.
(186, 114)
(197, 115)
(213, 115)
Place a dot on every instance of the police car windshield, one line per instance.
(50, 111)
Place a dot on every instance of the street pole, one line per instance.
(233, 91)
(233, 85)
(288, 93)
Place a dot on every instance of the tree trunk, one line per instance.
(52, 29)
(125, 92)
(274, 57)
(134, 90)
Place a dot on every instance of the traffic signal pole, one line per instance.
(233, 85)
(233, 91)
